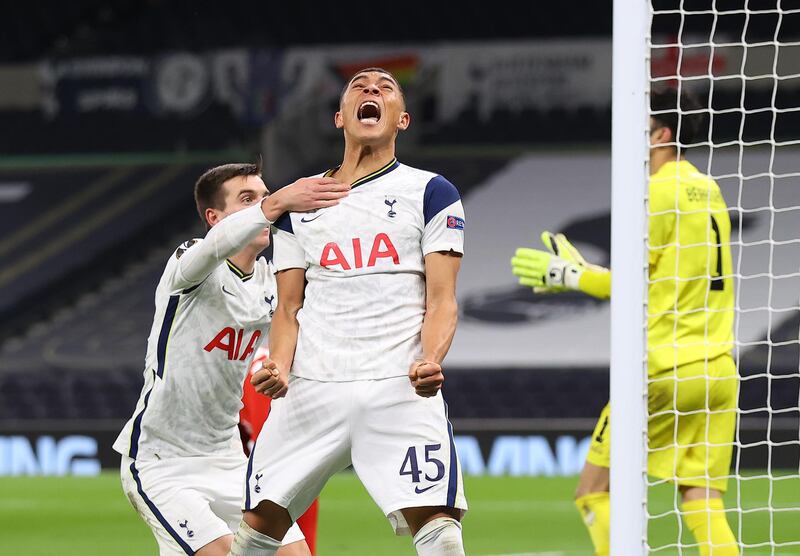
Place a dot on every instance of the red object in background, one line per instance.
(251, 419)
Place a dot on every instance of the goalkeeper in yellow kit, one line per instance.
(692, 378)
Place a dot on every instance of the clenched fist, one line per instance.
(269, 380)
(426, 377)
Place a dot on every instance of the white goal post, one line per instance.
(741, 60)
(629, 154)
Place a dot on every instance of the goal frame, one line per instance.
(629, 179)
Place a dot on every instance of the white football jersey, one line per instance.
(199, 350)
(364, 261)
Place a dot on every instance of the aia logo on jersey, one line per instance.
(382, 248)
(455, 223)
(230, 341)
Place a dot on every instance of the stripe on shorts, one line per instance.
(186, 548)
(247, 477)
(452, 482)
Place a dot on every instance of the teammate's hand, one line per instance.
(308, 194)
(269, 381)
(426, 377)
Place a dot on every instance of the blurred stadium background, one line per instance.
(111, 109)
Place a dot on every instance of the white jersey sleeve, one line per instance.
(444, 218)
(195, 260)
(287, 250)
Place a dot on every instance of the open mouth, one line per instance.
(369, 113)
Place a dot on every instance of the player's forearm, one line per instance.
(283, 337)
(438, 329)
(596, 283)
(275, 205)
(225, 239)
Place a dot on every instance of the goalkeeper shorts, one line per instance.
(693, 448)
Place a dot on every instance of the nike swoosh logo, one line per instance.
(307, 220)
(226, 291)
(421, 490)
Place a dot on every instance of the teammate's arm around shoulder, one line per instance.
(439, 323)
(284, 329)
(306, 194)
(223, 240)
(231, 234)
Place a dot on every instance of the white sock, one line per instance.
(249, 542)
(440, 537)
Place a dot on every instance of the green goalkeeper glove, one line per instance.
(558, 269)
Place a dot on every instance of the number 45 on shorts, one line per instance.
(411, 467)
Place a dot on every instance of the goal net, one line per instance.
(707, 254)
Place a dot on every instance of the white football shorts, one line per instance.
(400, 445)
(188, 502)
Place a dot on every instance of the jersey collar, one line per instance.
(369, 177)
(243, 276)
(669, 167)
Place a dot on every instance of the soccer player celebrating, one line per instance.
(689, 341)
(182, 460)
(367, 312)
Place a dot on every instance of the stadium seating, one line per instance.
(73, 223)
(123, 26)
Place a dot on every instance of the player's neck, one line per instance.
(245, 260)
(362, 160)
(660, 156)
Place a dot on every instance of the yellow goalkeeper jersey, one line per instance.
(690, 302)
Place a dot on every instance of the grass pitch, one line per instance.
(520, 516)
